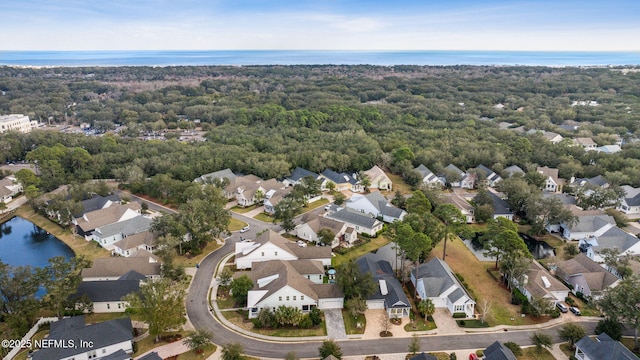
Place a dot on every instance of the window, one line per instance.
(263, 253)
(279, 298)
(119, 306)
(458, 308)
(319, 277)
(301, 297)
(92, 354)
(305, 307)
(275, 253)
(294, 298)
(287, 298)
(108, 306)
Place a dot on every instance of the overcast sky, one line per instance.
(590, 25)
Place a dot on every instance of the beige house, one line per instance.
(538, 283)
(378, 179)
(552, 182)
(309, 228)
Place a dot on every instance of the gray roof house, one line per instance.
(630, 202)
(109, 234)
(434, 280)
(585, 275)
(97, 202)
(428, 177)
(501, 208)
(490, 176)
(360, 222)
(375, 205)
(221, 174)
(497, 351)
(594, 182)
(105, 338)
(467, 180)
(113, 268)
(343, 181)
(297, 175)
(389, 294)
(106, 296)
(588, 226)
(150, 356)
(513, 170)
(603, 347)
(613, 238)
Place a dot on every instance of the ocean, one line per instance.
(314, 57)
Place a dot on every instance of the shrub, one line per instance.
(518, 298)
(459, 315)
(316, 316)
(306, 322)
(555, 313)
(515, 348)
(570, 301)
(430, 318)
(610, 327)
(461, 323)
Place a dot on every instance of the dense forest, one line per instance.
(266, 120)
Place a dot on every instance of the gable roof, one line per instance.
(151, 356)
(549, 173)
(454, 169)
(423, 356)
(513, 169)
(316, 223)
(458, 201)
(120, 355)
(126, 227)
(537, 286)
(497, 351)
(378, 201)
(336, 178)
(591, 223)
(381, 270)
(632, 195)
(604, 347)
(300, 173)
(375, 172)
(221, 174)
(135, 240)
(311, 252)
(426, 174)
(488, 173)
(353, 217)
(615, 238)
(96, 203)
(106, 216)
(437, 277)
(100, 335)
(114, 290)
(597, 277)
(118, 266)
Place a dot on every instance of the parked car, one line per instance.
(562, 307)
(327, 208)
(575, 310)
(245, 229)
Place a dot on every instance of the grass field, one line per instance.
(374, 244)
(242, 210)
(238, 319)
(81, 247)
(351, 323)
(235, 224)
(192, 261)
(399, 184)
(264, 217)
(531, 353)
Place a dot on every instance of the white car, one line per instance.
(245, 229)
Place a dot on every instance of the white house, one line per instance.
(434, 280)
(362, 223)
(552, 182)
(298, 174)
(296, 283)
(588, 226)
(428, 177)
(9, 187)
(272, 246)
(99, 340)
(107, 235)
(587, 143)
(113, 268)
(273, 198)
(602, 347)
(609, 149)
(126, 247)
(106, 296)
(90, 221)
(310, 226)
(490, 176)
(375, 205)
(378, 179)
(585, 276)
(217, 175)
(630, 202)
(389, 294)
(16, 123)
(613, 238)
(462, 204)
(538, 283)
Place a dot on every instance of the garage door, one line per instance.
(336, 303)
(375, 304)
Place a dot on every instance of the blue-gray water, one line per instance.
(23, 243)
(312, 57)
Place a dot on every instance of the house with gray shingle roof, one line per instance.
(463, 179)
(389, 293)
(221, 174)
(97, 202)
(491, 177)
(613, 238)
(360, 222)
(538, 283)
(311, 225)
(585, 276)
(497, 351)
(297, 283)
(88, 222)
(602, 347)
(428, 177)
(106, 296)
(297, 175)
(112, 268)
(513, 170)
(107, 235)
(630, 202)
(588, 226)
(501, 208)
(9, 187)
(462, 204)
(145, 240)
(436, 281)
(343, 181)
(105, 338)
(375, 205)
(592, 183)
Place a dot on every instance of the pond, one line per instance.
(23, 243)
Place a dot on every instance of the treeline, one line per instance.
(266, 120)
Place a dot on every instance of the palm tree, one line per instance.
(3, 207)
(426, 307)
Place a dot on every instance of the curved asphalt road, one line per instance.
(202, 318)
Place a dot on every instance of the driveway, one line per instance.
(335, 324)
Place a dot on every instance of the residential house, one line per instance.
(97, 202)
(375, 205)
(630, 202)
(98, 340)
(297, 175)
(538, 283)
(150, 356)
(552, 182)
(452, 175)
(389, 293)
(88, 222)
(587, 143)
(273, 198)
(588, 226)
(434, 280)
(554, 138)
(609, 149)
(106, 296)
(585, 276)
(273, 246)
(501, 208)
(378, 179)
(497, 351)
(238, 183)
(312, 224)
(113, 268)
(490, 176)
(570, 125)
(107, 235)
(217, 175)
(602, 347)
(613, 238)
(513, 170)
(428, 177)
(592, 183)
(145, 240)
(363, 224)
(462, 204)
(9, 188)
(295, 283)
(251, 193)
(342, 181)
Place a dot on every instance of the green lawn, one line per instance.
(235, 225)
(420, 325)
(264, 217)
(242, 210)
(531, 353)
(238, 319)
(472, 323)
(314, 205)
(372, 245)
(190, 261)
(351, 323)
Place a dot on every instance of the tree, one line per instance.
(483, 205)
(365, 182)
(353, 282)
(610, 327)
(496, 240)
(399, 200)
(540, 306)
(541, 340)
(621, 304)
(507, 243)
(232, 351)
(285, 211)
(426, 307)
(291, 355)
(225, 277)
(515, 348)
(326, 236)
(514, 266)
(160, 304)
(418, 203)
(485, 310)
(198, 340)
(18, 303)
(453, 220)
(288, 315)
(330, 347)
(544, 211)
(356, 306)
(331, 186)
(60, 280)
(3, 207)
(339, 198)
(571, 333)
(385, 323)
(414, 345)
(240, 288)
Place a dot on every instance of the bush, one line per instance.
(515, 348)
(306, 322)
(518, 298)
(459, 315)
(429, 318)
(570, 301)
(316, 316)
(609, 327)
(461, 323)
(555, 313)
